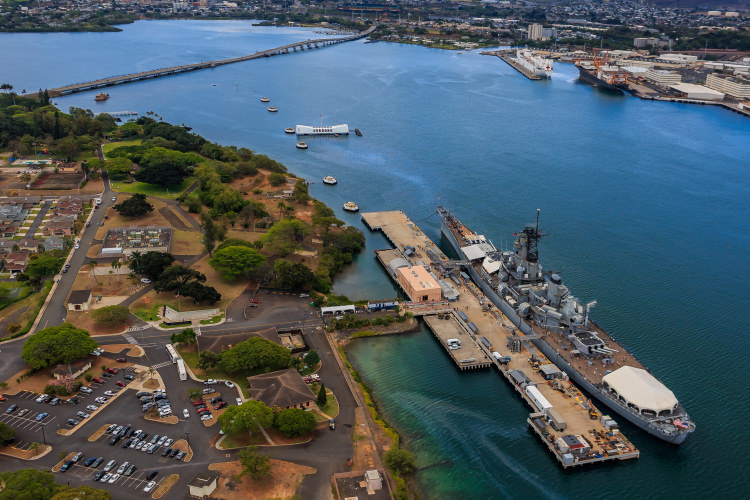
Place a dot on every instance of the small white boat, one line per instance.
(301, 145)
(350, 206)
(289, 130)
(330, 180)
(264, 99)
(273, 109)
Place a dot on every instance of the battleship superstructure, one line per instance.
(534, 63)
(560, 326)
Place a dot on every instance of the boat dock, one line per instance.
(505, 55)
(566, 421)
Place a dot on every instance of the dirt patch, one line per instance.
(35, 383)
(186, 243)
(173, 219)
(99, 433)
(283, 482)
(165, 486)
(58, 465)
(182, 445)
(151, 383)
(13, 317)
(228, 290)
(168, 420)
(84, 321)
(57, 181)
(26, 454)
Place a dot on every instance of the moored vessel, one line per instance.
(273, 109)
(534, 63)
(330, 180)
(265, 99)
(561, 327)
(101, 97)
(599, 74)
(350, 206)
(289, 130)
(301, 145)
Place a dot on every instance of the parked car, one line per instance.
(239, 401)
(98, 380)
(208, 390)
(210, 381)
(129, 471)
(111, 428)
(186, 413)
(215, 400)
(67, 465)
(54, 401)
(42, 398)
(23, 412)
(122, 360)
(199, 403)
(82, 414)
(228, 384)
(2, 398)
(149, 486)
(145, 281)
(105, 477)
(109, 393)
(206, 416)
(129, 377)
(113, 371)
(127, 443)
(99, 475)
(97, 462)
(168, 442)
(41, 416)
(122, 467)
(166, 452)
(89, 461)
(152, 475)
(86, 390)
(113, 479)
(11, 409)
(142, 394)
(174, 452)
(101, 400)
(73, 422)
(114, 439)
(180, 455)
(72, 401)
(120, 384)
(109, 465)
(92, 407)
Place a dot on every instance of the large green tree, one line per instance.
(7, 433)
(285, 237)
(28, 484)
(57, 344)
(118, 168)
(256, 465)
(44, 265)
(110, 315)
(322, 398)
(135, 206)
(150, 264)
(295, 276)
(82, 493)
(237, 261)
(165, 167)
(400, 460)
(255, 352)
(294, 422)
(186, 336)
(250, 416)
(176, 277)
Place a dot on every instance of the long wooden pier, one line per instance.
(185, 68)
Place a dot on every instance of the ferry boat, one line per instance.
(289, 130)
(350, 206)
(101, 97)
(560, 326)
(323, 130)
(265, 99)
(331, 181)
(534, 63)
(301, 145)
(273, 109)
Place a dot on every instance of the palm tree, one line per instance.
(111, 272)
(92, 266)
(115, 265)
(151, 371)
(281, 206)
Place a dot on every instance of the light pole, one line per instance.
(187, 438)
(44, 440)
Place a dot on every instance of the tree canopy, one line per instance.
(248, 417)
(28, 484)
(135, 206)
(7, 433)
(82, 493)
(165, 167)
(294, 422)
(188, 283)
(57, 344)
(295, 276)
(110, 315)
(255, 352)
(285, 237)
(186, 336)
(255, 464)
(118, 168)
(400, 460)
(150, 264)
(44, 265)
(236, 261)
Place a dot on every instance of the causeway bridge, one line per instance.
(184, 68)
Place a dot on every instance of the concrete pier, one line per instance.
(505, 55)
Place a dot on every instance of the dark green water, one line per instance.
(646, 205)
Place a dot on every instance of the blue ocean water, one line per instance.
(645, 203)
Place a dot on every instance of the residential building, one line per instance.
(282, 388)
(79, 300)
(734, 86)
(59, 226)
(53, 243)
(16, 262)
(29, 245)
(126, 240)
(535, 31)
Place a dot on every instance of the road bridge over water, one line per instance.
(184, 68)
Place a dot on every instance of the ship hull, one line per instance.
(551, 354)
(589, 77)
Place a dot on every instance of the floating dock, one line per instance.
(505, 55)
(566, 421)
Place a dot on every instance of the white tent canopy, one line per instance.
(474, 252)
(640, 388)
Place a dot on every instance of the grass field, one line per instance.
(113, 145)
(152, 189)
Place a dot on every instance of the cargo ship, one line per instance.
(534, 63)
(560, 326)
(599, 74)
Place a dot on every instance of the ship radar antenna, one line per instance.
(537, 219)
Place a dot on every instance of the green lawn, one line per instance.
(332, 405)
(148, 314)
(112, 145)
(213, 320)
(190, 356)
(152, 189)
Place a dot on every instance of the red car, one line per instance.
(198, 403)
(255, 301)
(219, 406)
(98, 380)
(202, 410)
(112, 371)
(120, 384)
(122, 360)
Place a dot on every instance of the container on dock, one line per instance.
(556, 420)
(463, 316)
(485, 342)
(519, 377)
(473, 327)
(550, 371)
(537, 398)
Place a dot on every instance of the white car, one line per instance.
(168, 442)
(135, 444)
(145, 280)
(114, 478)
(228, 384)
(105, 477)
(101, 400)
(85, 389)
(239, 401)
(92, 407)
(161, 440)
(210, 381)
(149, 486)
(145, 445)
(109, 393)
(114, 198)
(206, 416)
(122, 467)
(185, 413)
(78, 245)
(109, 465)
(41, 398)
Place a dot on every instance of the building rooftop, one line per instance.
(79, 296)
(202, 479)
(280, 388)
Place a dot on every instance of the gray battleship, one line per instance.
(560, 326)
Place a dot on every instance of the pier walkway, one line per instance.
(184, 68)
(506, 55)
(487, 338)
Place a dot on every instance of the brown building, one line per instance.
(79, 300)
(16, 262)
(62, 226)
(29, 245)
(282, 388)
(418, 284)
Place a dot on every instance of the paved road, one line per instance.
(39, 218)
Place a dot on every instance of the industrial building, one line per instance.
(692, 91)
(663, 77)
(418, 284)
(733, 86)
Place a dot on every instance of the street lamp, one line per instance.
(44, 440)
(187, 437)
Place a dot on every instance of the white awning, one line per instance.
(491, 266)
(640, 388)
(474, 252)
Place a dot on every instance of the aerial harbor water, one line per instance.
(644, 203)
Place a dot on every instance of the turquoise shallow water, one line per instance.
(646, 205)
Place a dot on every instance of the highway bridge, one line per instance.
(184, 68)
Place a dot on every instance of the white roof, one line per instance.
(474, 252)
(491, 266)
(639, 387)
